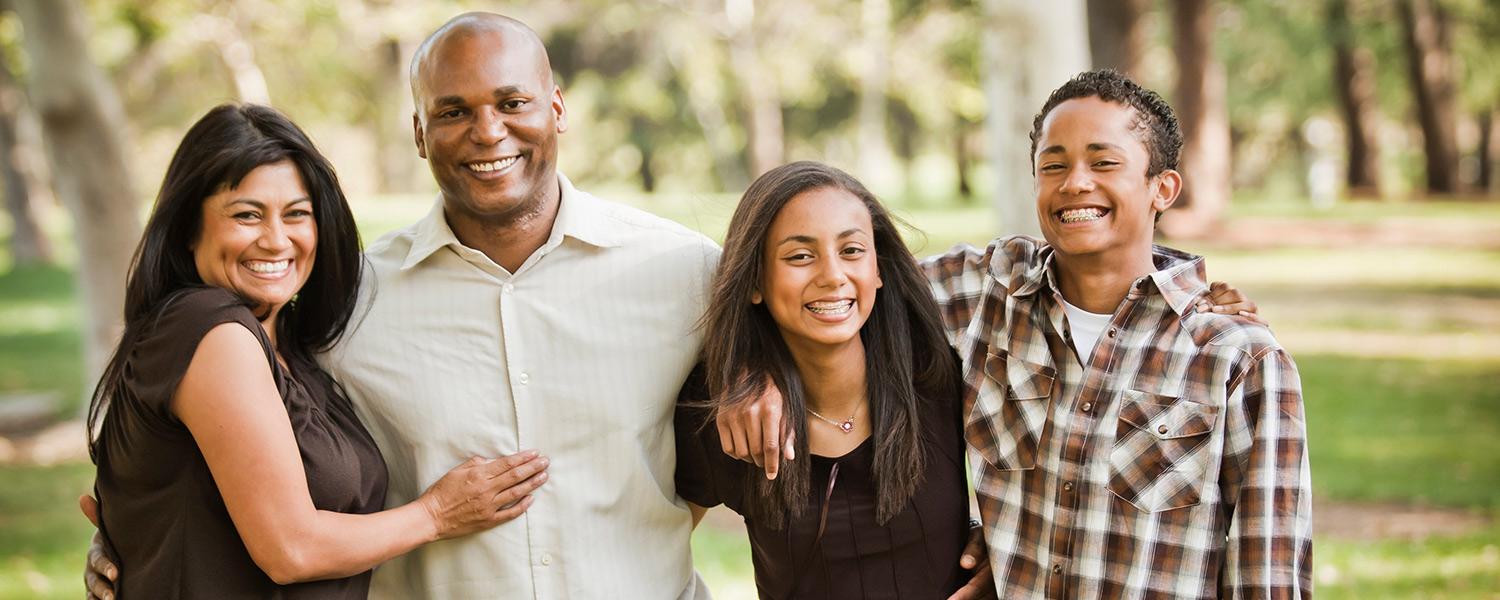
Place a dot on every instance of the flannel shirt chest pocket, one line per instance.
(1010, 412)
(1162, 451)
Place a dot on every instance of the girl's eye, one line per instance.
(800, 256)
(854, 251)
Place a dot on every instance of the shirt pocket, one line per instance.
(1162, 452)
(1010, 412)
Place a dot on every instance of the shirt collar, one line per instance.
(1179, 276)
(580, 216)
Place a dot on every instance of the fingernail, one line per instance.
(111, 572)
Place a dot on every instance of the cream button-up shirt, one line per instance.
(579, 354)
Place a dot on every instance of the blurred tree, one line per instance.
(83, 124)
(1201, 107)
(758, 91)
(1354, 77)
(876, 165)
(28, 243)
(1117, 34)
(1428, 40)
(1028, 50)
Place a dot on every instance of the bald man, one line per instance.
(522, 313)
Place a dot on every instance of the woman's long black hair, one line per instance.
(216, 154)
(907, 356)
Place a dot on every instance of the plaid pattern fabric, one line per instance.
(1172, 465)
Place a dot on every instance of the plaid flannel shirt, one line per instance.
(1172, 465)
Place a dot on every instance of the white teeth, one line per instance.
(260, 266)
(830, 308)
(1078, 215)
(492, 166)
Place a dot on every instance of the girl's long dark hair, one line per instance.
(216, 154)
(907, 356)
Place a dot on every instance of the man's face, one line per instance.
(1092, 193)
(487, 121)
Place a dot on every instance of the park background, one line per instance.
(1340, 164)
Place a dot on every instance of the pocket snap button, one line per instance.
(1162, 430)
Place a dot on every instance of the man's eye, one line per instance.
(512, 104)
(1050, 168)
(450, 114)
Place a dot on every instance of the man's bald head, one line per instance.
(517, 36)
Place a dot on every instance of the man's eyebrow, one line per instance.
(1053, 149)
(508, 90)
(448, 101)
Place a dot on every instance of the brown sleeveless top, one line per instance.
(162, 514)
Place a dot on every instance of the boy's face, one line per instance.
(1092, 192)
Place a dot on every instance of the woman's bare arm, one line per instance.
(229, 401)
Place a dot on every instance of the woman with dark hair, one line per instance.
(229, 464)
(816, 289)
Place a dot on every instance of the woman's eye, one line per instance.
(245, 216)
(1105, 163)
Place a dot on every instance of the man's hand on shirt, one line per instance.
(976, 558)
(1227, 300)
(753, 430)
(99, 573)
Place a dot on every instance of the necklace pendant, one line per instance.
(847, 426)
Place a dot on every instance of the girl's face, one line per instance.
(820, 272)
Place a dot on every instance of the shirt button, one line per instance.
(1087, 406)
(1162, 430)
(546, 558)
(523, 378)
(511, 288)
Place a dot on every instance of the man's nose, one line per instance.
(489, 127)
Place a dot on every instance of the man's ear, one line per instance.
(1168, 187)
(559, 109)
(416, 131)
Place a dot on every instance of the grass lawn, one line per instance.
(1395, 346)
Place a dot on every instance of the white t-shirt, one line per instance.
(1085, 327)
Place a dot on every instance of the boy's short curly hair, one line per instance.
(1155, 122)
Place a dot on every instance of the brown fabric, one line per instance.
(914, 556)
(162, 512)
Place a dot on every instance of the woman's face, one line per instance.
(820, 273)
(259, 240)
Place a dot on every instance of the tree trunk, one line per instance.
(28, 244)
(961, 158)
(759, 93)
(1201, 109)
(1487, 143)
(1354, 76)
(702, 73)
(391, 123)
(1430, 57)
(1117, 34)
(83, 123)
(1027, 50)
(238, 56)
(876, 164)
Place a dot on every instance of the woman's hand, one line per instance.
(482, 493)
